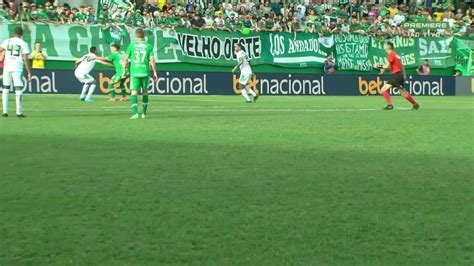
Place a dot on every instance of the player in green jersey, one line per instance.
(140, 54)
(117, 57)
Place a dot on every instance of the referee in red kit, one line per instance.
(394, 63)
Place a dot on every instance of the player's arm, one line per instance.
(382, 67)
(78, 61)
(27, 66)
(105, 63)
(125, 65)
(104, 59)
(385, 67)
(403, 72)
(153, 67)
(238, 65)
(128, 53)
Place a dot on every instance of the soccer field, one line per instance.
(211, 180)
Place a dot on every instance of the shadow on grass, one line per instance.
(105, 200)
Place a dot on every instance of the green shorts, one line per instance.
(118, 78)
(137, 83)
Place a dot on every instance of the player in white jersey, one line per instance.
(245, 73)
(14, 52)
(84, 66)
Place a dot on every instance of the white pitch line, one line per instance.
(164, 109)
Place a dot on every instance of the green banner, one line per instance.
(216, 48)
(406, 48)
(464, 55)
(351, 51)
(438, 50)
(304, 50)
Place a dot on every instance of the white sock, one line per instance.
(91, 90)
(250, 91)
(5, 100)
(84, 90)
(19, 101)
(246, 96)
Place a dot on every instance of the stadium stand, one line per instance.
(379, 18)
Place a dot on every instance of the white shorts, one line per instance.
(84, 78)
(13, 78)
(245, 79)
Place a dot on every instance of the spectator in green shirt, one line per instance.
(276, 8)
(81, 16)
(220, 23)
(247, 23)
(3, 11)
(210, 10)
(139, 19)
(104, 17)
(41, 14)
(418, 17)
(229, 24)
(25, 13)
(91, 15)
(160, 19)
(129, 19)
(270, 24)
(48, 6)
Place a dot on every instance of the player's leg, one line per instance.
(396, 81)
(245, 93)
(243, 82)
(17, 79)
(92, 87)
(250, 91)
(144, 86)
(112, 93)
(115, 80)
(85, 86)
(386, 95)
(409, 98)
(134, 87)
(123, 90)
(7, 80)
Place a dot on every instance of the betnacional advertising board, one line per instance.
(220, 83)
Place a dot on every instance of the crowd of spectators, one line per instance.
(376, 17)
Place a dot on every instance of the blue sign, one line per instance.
(223, 83)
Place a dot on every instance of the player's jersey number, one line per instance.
(139, 57)
(15, 50)
(89, 59)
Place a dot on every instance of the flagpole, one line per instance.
(20, 14)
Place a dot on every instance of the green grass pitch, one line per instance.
(211, 180)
